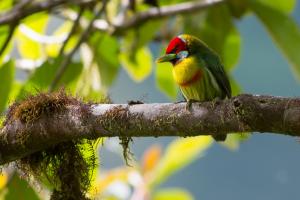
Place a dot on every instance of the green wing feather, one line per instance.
(214, 65)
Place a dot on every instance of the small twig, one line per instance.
(14, 24)
(8, 38)
(67, 59)
(72, 31)
(37, 7)
(156, 13)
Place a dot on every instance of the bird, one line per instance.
(198, 71)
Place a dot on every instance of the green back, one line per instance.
(212, 63)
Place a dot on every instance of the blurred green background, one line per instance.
(264, 166)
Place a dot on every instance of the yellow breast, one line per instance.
(185, 70)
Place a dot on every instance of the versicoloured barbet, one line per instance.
(197, 70)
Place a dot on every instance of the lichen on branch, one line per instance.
(60, 118)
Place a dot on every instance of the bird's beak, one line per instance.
(166, 58)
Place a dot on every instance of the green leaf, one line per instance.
(5, 5)
(164, 80)
(44, 75)
(140, 37)
(172, 194)
(139, 65)
(231, 48)
(53, 49)
(237, 7)
(106, 49)
(233, 140)
(179, 154)
(235, 86)
(27, 47)
(284, 31)
(217, 30)
(19, 189)
(7, 73)
(15, 90)
(286, 6)
(89, 85)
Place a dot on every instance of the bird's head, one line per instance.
(177, 50)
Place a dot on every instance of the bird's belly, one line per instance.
(193, 91)
(200, 90)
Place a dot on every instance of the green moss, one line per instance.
(43, 104)
(119, 123)
(127, 154)
(67, 167)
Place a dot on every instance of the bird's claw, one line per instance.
(189, 104)
(177, 102)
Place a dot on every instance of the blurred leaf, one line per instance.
(106, 49)
(15, 90)
(44, 75)
(233, 140)
(238, 7)
(139, 37)
(112, 9)
(139, 65)
(3, 179)
(217, 30)
(150, 158)
(179, 154)
(286, 6)
(284, 31)
(165, 81)
(5, 5)
(232, 48)
(53, 49)
(19, 189)
(172, 194)
(235, 86)
(110, 177)
(88, 92)
(89, 85)
(27, 47)
(7, 73)
(168, 2)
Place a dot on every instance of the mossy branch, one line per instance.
(47, 119)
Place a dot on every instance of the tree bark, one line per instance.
(243, 113)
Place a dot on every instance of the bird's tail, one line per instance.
(219, 137)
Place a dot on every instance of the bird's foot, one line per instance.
(131, 102)
(177, 102)
(216, 101)
(189, 104)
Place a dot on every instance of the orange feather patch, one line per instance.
(195, 78)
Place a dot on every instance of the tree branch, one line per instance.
(244, 113)
(101, 24)
(155, 13)
(8, 37)
(20, 12)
